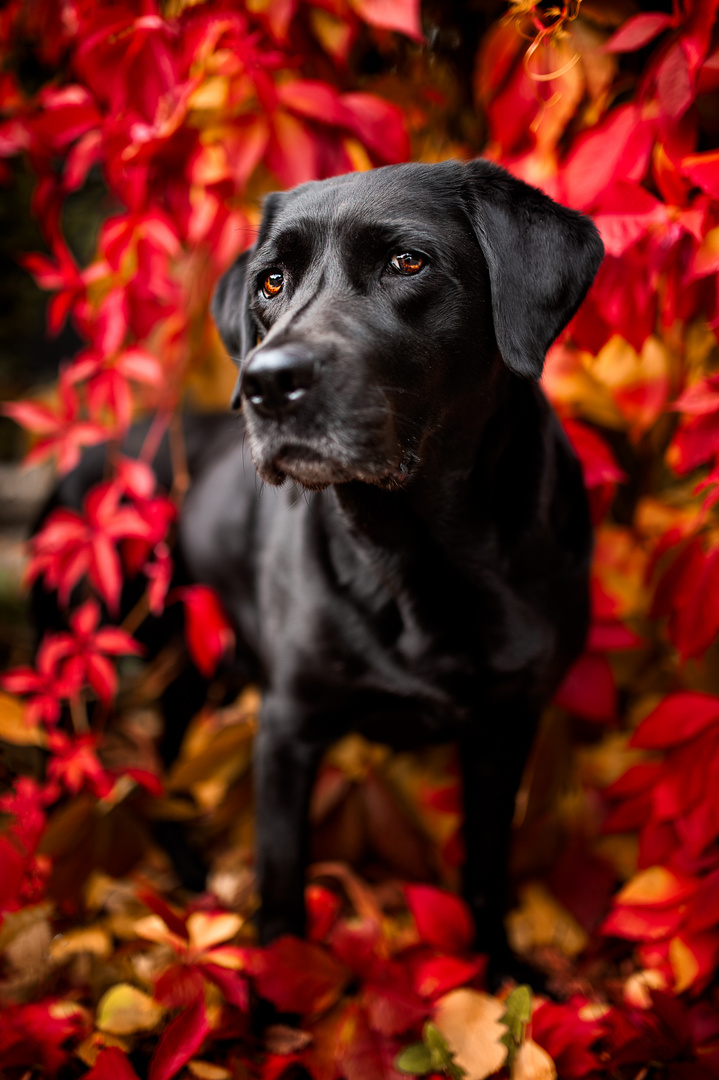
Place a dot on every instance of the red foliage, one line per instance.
(188, 112)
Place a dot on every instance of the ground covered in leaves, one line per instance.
(137, 137)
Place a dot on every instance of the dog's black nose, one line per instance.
(276, 379)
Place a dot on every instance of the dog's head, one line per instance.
(373, 303)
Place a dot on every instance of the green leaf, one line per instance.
(431, 1055)
(516, 1017)
(435, 1040)
(441, 1057)
(415, 1059)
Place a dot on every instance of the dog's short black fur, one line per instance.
(419, 571)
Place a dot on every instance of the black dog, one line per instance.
(430, 584)
(390, 328)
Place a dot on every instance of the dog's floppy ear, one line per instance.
(231, 311)
(542, 258)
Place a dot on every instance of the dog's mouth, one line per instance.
(316, 469)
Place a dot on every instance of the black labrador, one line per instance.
(417, 570)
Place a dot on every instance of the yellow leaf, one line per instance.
(90, 1047)
(603, 763)
(594, 1011)
(88, 939)
(616, 364)
(211, 94)
(569, 382)
(124, 1009)
(226, 756)
(655, 517)
(13, 726)
(638, 985)
(63, 1010)
(206, 930)
(656, 885)
(700, 345)
(684, 965)
(333, 34)
(210, 167)
(153, 928)
(103, 891)
(204, 1070)
(639, 382)
(532, 1062)
(469, 1021)
(541, 920)
(361, 161)
(355, 756)
(227, 956)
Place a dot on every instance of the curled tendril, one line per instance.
(547, 24)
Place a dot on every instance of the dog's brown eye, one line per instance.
(408, 263)
(273, 283)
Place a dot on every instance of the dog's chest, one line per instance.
(376, 631)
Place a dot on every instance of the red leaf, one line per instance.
(323, 907)
(169, 916)
(696, 442)
(611, 636)
(312, 99)
(638, 31)
(695, 621)
(704, 908)
(84, 154)
(106, 572)
(101, 676)
(293, 152)
(598, 462)
(703, 170)
(392, 1007)
(111, 1064)
(568, 1038)
(617, 149)
(700, 398)
(674, 83)
(443, 920)
(642, 923)
(298, 976)
(677, 719)
(626, 213)
(179, 986)
(147, 780)
(182, 1038)
(365, 1053)
(34, 417)
(233, 986)
(588, 689)
(379, 124)
(434, 974)
(140, 365)
(357, 944)
(207, 631)
(400, 15)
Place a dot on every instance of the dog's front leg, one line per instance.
(493, 755)
(285, 766)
